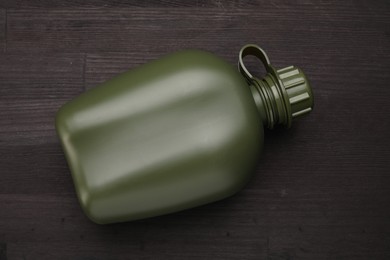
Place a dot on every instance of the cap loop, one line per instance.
(252, 50)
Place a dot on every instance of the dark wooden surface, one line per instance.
(322, 190)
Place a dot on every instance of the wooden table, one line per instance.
(322, 190)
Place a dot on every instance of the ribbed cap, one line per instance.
(299, 96)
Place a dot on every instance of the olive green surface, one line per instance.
(172, 134)
(179, 132)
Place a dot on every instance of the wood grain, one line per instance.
(33, 87)
(14, 4)
(168, 29)
(227, 4)
(3, 26)
(322, 187)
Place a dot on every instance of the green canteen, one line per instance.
(175, 133)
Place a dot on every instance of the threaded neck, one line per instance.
(282, 96)
(268, 101)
